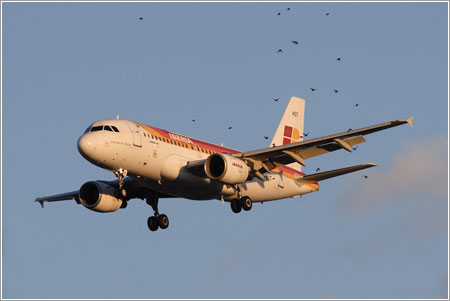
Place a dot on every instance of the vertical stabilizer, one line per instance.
(290, 129)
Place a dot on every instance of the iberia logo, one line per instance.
(291, 135)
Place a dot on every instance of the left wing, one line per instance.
(264, 160)
(60, 197)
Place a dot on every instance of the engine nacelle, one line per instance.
(226, 169)
(99, 196)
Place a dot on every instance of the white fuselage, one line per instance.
(158, 159)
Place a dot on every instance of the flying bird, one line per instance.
(338, 59)
(141, 18)
(305, 134)
(193, 120)
(366, 176)
(317, 169)
(266, 137)
(349, 130)
(280, 51)
(327, 14)
(229, 127)
(288, 8)
(356, 105)
(276, 99)
(335, 91)
(279, 14)
(312, 89)
(354, 148)
(273, 144)
(295, 42)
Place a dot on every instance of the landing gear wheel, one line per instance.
(163, 221)
(235, 206)
(246, 203)
(152, 223)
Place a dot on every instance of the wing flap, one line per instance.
(333, 173)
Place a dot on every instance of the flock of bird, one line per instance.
(296, 43)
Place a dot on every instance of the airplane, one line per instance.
(151, 163)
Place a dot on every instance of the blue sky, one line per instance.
(66, 65)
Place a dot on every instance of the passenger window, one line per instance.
(97, 128)
(108, 128)
(115, 129)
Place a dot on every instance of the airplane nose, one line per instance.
(87, 146)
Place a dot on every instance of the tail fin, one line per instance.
(290, 129)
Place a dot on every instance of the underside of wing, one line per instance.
(272, 157)
(60, 197)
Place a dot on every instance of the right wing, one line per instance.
(266, 159)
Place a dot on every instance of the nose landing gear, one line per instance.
(121, 174)
(157, 220)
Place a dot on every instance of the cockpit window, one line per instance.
(108, 128)
(115, 129)
(97, 128)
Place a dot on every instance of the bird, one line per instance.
(356, 105)
(288, 8)
(280, 51)
(317, 169)
(327, 14)
(295, 42)
(366, 176)
(141, 18)
(276, 99)
(354, 148)
(193, 120)
(266, 137)
(349, 130)
(273, 144)
(305, 134)
(312, 89)
(338, 59)
(229, 127)
(335, 91)
(279, 14)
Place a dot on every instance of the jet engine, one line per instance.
(226, 169)
(100, 197)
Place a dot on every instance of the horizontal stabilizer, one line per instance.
(333, 173)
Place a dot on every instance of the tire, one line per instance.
(152, 223)
(235, 206)
(246, 203)
(163, 221)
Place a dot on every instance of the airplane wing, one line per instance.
(264, 160)
(60, 197)
(133, 187)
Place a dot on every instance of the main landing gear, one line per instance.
(157, 220)
(242, 203)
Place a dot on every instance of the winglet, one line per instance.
(410, 121)
(40, 202)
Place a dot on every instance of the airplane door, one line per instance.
(135, 130)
